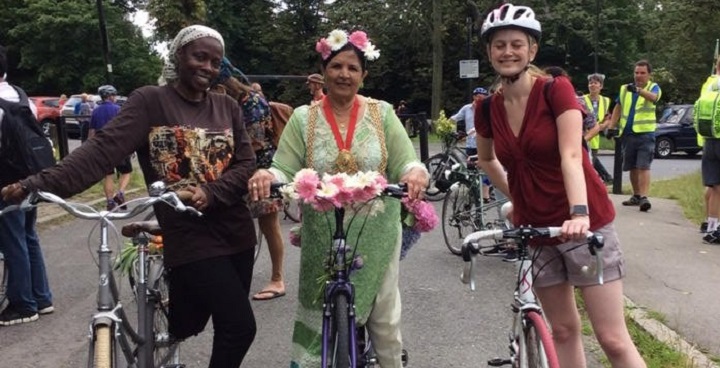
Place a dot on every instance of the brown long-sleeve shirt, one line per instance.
(181, 143)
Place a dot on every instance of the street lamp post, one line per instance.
(105, 42)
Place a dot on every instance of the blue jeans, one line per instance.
(27, 279)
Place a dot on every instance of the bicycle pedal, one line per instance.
(497, 362)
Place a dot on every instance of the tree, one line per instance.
(57, 49)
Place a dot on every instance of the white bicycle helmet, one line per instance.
(511, 16)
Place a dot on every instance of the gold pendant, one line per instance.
(345, 163)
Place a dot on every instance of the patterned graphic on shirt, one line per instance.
(185, 156)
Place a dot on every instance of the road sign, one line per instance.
(469, 69)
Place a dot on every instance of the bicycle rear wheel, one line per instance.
(539, 348)
(102, 347)
(3, 280)
(436, 166)
(458, 217)
(340, 338)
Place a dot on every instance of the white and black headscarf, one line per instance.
(185, 36)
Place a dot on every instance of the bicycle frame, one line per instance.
(340, 283)
(138, 345)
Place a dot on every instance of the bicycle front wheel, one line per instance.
(340, 342)
(537, 350)
(164, 347)
(103, 347)
(458, 217)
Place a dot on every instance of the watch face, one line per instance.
(579, 210)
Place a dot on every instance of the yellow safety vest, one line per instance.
(713, 79)
(644, 120)
(603, 104)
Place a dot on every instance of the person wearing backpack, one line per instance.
(706, 116)
(530, 143)
(28, 289)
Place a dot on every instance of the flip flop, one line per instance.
(273, 295)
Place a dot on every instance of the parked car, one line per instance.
(48, 110)
(675, 132)
(68, 110)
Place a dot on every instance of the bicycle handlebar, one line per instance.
(392, 190)
(83, 211)
(471, 248)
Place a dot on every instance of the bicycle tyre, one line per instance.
(436, 166)
(340, 343)
(164, 347)
(3, 280)
(539, 346)
(292, 210)
(102, 352)
(457, 217)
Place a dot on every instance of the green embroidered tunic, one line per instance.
(380, 141)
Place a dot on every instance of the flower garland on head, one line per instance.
(338, 38)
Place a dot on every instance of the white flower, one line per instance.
(288, 192)
(328, 190)
(337, 39)
(371, 53)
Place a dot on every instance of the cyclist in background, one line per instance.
(192, 140)
(551, 181)
(467, 114)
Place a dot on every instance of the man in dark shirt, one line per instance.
(101, 116)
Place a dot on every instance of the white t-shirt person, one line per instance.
(8, 93)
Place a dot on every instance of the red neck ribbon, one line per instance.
(336, 129)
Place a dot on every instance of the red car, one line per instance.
(48, 110)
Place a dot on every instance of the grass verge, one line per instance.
(688, 191)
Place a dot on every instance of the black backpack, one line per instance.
(24, 149)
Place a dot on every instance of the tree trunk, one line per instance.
(437, 67)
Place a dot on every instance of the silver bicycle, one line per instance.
(531, 344)
(110, 332)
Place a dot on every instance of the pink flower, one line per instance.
(323, 47)
(425, 217)
(359, 39)
(306, 184)
(295, 236)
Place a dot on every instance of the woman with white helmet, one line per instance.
(551, 181)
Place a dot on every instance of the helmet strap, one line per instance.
(513, 78)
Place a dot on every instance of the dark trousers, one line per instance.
(219, 288)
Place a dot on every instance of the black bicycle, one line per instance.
(439, 163)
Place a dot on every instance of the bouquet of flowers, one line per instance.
(417, 217)
(444, 127)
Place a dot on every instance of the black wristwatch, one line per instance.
(579, 210)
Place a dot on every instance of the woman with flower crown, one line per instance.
(346, 133)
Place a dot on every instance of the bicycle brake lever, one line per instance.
(468, 274)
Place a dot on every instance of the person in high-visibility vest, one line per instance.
(711, 170)
(598, 106)
(635, 113)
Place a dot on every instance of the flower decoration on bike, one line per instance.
(352, 192)
(339, 38)
(444, 127)
(417, 217)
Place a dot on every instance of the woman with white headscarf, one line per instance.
(196, 141)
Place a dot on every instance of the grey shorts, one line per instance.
(555, 265)
(711, 162)
(638, 151)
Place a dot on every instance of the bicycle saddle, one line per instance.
(135, 228)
